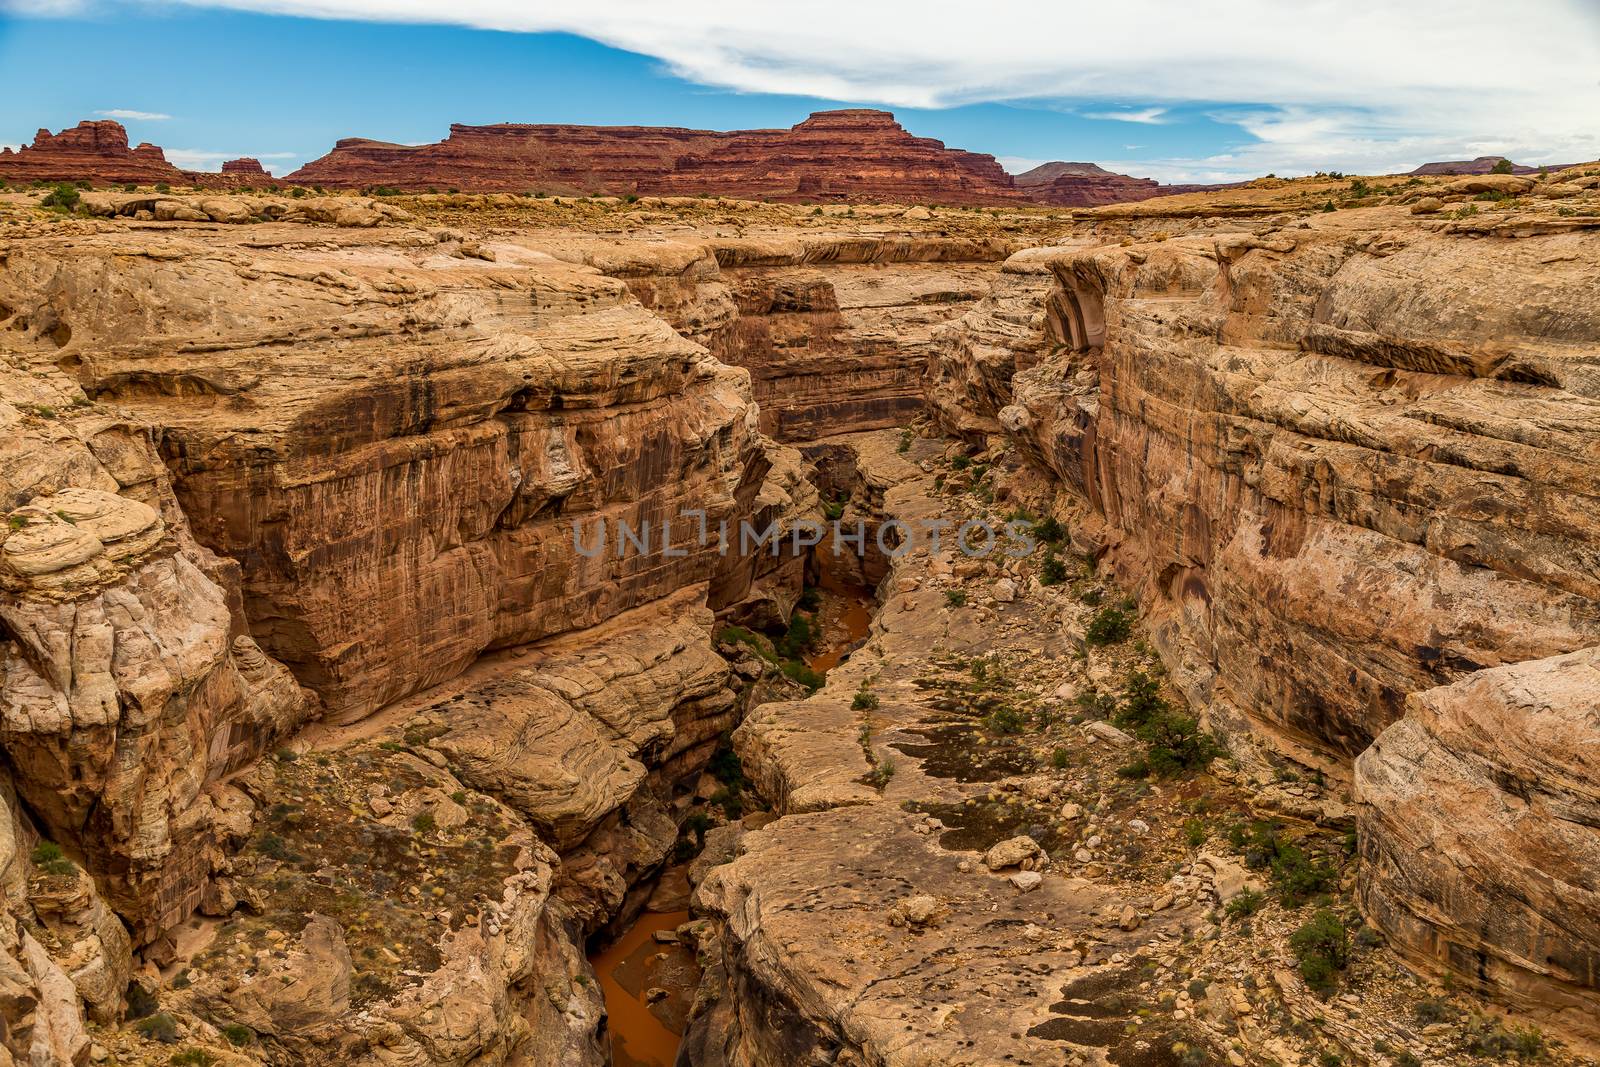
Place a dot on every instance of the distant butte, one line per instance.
(855, 154)
(97, 151)
(1090, 185)
(850, 155)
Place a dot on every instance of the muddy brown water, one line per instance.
(845, 617)
(642, 1034)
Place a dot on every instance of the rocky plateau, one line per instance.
(347, 718)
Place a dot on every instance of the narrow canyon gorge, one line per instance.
(1170, 635)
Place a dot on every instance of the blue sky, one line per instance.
(257, 77)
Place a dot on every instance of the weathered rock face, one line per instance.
(128, 680)
(95, 150)
(1481, 854)
(850, 154)
(1288, 438)
(402, 490)
(836, 336)
(1345, 465)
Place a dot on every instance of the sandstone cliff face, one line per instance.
(850, 154)
(1288, 439)
(1478, 827)
(401, 490)
(129, 681)
(1344, 465)
(835, 330)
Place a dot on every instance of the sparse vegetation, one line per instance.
(158, 1027)
(64, 196)
(956, 598)
(1111, 624)
(238, 1034)
(1322, 946)
(48, 857)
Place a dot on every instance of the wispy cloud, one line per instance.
(205, 159)
(133, 116)
(1150, 116)
(1357, 84)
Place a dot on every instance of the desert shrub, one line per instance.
(1005, 720)
(1052, 571)
(725, 766)
(697, 824)
(1246, 904)
(1433, 1010)
(833, 509)
(1049, 530)
(158, 1027)
(1059, 759)
(864, 700)
(1322, 946)
(422, 822)
(1194, 832)
(810, 599)
(800, 636)
(879, 776)
(192, 1057)
(1110, 625)
(1502, 167)
(64, 196)
(731, 803)
(238, 1034)
(906, 436)
(796, 671)
(1486, 1036)
(961, 463)
(956, 598)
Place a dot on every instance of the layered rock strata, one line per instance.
(849, 154)
(97, 151)
(1344, 465)
(440, 450)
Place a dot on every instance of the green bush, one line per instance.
(961, 463)
(49, 858)
(1488, 1037)
(1246, 904)
(63, 195)
(1194, 832)
(810, 599)
(1322, 946)
(833, 510)
(864, 700)
(1049, 530)
(1502, 167)
(192, 1057)
(1111, 625)
(956, 598)
(422, 822)
(800, 636)
(796, 671)
(1005, 720)
(906, 436)
(1052, 571)
(1059, 759)
(158, 1027)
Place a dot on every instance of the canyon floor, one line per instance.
(338, 732)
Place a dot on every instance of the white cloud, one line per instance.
(1150, 116)
(133, 116)
(1331, 83)
(1019, 164)
(203, 159)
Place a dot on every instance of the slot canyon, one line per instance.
(373, 693)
